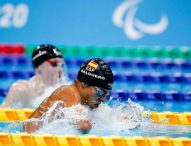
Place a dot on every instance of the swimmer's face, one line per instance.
(94, 99)
(56, 69)
(52, 70)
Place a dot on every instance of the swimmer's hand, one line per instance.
(84, 126)
(31, 126)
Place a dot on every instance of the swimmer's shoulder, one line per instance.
(19, 85)
(18, 89)
(65, 92)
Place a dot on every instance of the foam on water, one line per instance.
(122, 119)
(113, 119)
(119, 117)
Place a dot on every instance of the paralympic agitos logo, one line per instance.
(124, 17)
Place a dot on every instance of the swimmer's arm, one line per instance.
(15, 93)
(30, 127)
(45, 105)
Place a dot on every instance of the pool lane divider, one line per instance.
(9, 115)
(119, 77)
(138, 95)
(24, 139)
(130, 52)
(102, 51)
(167, 64)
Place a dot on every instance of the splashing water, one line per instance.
(123, 119)
(118, 118)
(113, 119)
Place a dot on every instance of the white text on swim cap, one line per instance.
(93, 75)
(56, 52)
(38, 55)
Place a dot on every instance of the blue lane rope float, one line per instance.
(140, 63)
(124, 77)
(140, 95)
(154, 95)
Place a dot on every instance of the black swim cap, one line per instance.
(95, 72)
(43, 53)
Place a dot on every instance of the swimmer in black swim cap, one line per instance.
(93, 84)
(48, 62)
(96, 73)
(43, 53)
(49, 69)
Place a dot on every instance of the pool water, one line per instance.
(113, 118)
(149, 130)
(159, 106)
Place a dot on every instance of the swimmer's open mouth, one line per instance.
(96, 105)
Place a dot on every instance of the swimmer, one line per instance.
(94, 82)
(47, 61)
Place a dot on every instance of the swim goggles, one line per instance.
(55, 63)
(101, 92)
